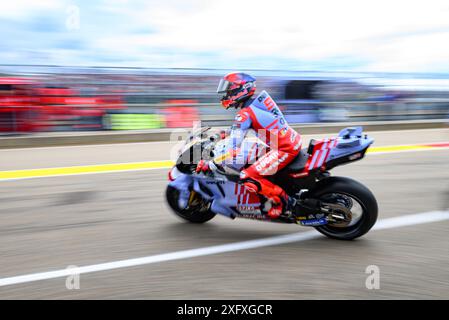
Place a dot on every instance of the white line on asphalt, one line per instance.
(396, 222)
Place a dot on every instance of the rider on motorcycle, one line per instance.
(264, 116)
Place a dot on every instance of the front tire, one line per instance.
(350, 189)
(194, 214)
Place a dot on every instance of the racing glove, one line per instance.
(205, 167)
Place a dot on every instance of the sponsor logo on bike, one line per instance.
(258, 216)
(246, 210)
(216, 182)
(313, 222)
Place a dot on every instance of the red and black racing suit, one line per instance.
(264, 116)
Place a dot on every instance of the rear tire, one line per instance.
(194, 214)
(353, 189)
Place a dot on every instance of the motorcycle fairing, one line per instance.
(228, 198)
(248, 152)
(350, 145)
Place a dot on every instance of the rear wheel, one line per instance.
(196, 212)
(356, 202)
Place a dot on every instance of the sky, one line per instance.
(343, 35)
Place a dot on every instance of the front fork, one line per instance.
(185, 198)
(182, 183)
(189, 188)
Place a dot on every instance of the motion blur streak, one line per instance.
(396, 222)
(387, 149)
(165, 164)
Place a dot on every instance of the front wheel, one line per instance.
(196, 212)
(356, 199)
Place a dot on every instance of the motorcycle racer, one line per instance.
(264, 116)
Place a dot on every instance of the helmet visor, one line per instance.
(223, 86)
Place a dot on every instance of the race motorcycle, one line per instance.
(338, 207)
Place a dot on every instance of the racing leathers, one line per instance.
(264, 116)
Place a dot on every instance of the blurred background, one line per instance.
(43, 98)
(127, 65)
(95, 77)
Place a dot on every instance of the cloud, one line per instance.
(351, 35)
(21, 9)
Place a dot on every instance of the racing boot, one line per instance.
(283, 204)
(276, 208)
